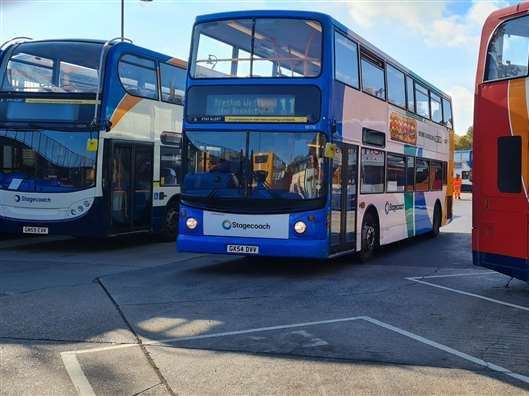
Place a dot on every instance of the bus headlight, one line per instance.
(191, 223)
(300, 227)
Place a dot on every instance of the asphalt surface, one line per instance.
(132, 316)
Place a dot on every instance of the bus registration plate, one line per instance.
(35, 230)
(244, 249)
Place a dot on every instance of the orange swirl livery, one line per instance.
(126, 104)
(519, 121)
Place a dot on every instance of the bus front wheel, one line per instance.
(436, 225)
(370, 239)
(170, 224)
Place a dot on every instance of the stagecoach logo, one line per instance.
(228, 225)
(22, 198)
(392, 208)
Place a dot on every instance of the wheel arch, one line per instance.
(174, 200)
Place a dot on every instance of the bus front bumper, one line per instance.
(309, 248)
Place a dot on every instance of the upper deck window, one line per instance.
(508, 52)
(410, 105)
(373, 77)
(422, 101)
(447, 113)
(435, 104)
(260, 47)
(346, 60)
(53, 67)
(173, 82)
(138, 76)
(396, 88)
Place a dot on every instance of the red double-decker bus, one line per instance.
(500, 236)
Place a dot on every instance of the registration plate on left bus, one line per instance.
(242, 249)
(35, 230)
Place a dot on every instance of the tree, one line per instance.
(464, 142)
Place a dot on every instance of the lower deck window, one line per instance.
(396, 173)
(422, 175)
(170, 161)
(436, 176)
(410, 173)
(372, 171)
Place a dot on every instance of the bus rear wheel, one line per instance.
(170, 225)
(370, 239)
(436, 225)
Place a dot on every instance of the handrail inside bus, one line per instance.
(101, 72)
(14, 40)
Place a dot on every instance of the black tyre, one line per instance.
(170, 224)
(370, 237)
(436, 226)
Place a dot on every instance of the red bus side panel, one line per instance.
(500, 219)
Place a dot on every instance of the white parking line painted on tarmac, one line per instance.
(449, 350)
(418, 279)
(74, 370)
(81, 382)
(217, 335)
(455, 275)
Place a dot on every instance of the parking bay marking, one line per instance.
(419, 279)
(84, 388)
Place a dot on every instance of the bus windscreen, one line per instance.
(52, 67)
(258, 47)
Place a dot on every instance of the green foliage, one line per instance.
(464, 142)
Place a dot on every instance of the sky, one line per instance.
(437, 39)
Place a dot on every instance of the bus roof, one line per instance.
(326, 20)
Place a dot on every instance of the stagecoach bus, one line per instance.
(302, 139)
(90, 138)
(501, 145)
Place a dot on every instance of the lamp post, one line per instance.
(123, 18)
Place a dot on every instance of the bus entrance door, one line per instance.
(131, 187)
(344, 198)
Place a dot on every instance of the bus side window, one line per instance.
(396, 173)
(372, 171)
(169, 166)
(510, 164)
(422, 175)
(436, 176)
(410, 173)
(346, 60)
(410, 95)
(173, 82)
(435, 106)
(508, 52)
(422, 101)
(445, 173)
(138, 76)
(396, 86)
(373, 76)
(447, 113)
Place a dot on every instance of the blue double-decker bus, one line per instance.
(302, 139)
(90, 136)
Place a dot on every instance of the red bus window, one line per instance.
(508, 52)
